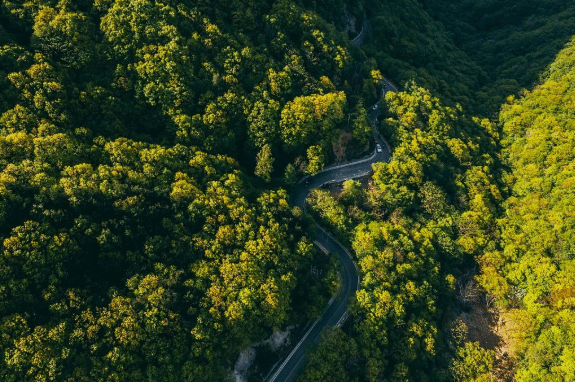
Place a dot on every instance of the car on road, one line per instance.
(378, 147)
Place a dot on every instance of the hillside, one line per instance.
(512, 41)
(136, 242)
(532, 273)
(147, 154)
(515, 219)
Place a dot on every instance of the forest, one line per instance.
(147, 154)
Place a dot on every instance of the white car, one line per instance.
(378, 148)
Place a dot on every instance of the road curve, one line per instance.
(365, 31)
(336, 313)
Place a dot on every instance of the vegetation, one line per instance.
(425, 216)
(134, 245)
(449, 198)
(408, 44)
(531, 273)
(513, 42)
(147, 149)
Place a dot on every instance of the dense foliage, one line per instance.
(133, 244)
(436, 208)
(221, 77)
(532, 273)
(408, 44)
(426, 215)
(139, 265)
(144, 233)
(512, 41)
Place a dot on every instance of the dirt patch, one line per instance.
(340, 147)
(336, 190)
(255, 361)
(347, 148)
(482, 326)
(487, 326)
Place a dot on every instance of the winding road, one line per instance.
(365, 31)
(336, 313)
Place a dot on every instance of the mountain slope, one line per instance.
(532, 275)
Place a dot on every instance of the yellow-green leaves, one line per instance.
(64, 36)
(308, 119)
(264, 164)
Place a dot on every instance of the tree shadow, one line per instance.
(513, 42)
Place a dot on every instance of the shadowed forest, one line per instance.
(148, 150)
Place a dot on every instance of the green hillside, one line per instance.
(512, 41)
(135, 244)
(148, 150)
(532, 273)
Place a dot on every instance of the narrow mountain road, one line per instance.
(365, 31)
(336, 313)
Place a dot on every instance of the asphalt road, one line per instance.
(336, 313)
(352, 170)
(375, 111)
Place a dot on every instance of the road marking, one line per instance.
(346, 251)
(359, 161)
(348, 289)
(321, 247)
(344, 301)
(347, 293)
(292, 353)
(343, 319)
(295, 367)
